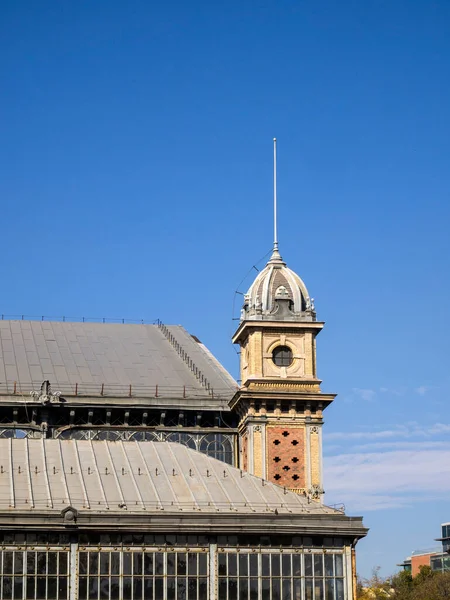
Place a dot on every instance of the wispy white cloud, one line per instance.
(422, 390)
(360, 435)
(397, 478)
(407, 430)
(388, 468)
(399, 391)
(365, 394)
(440, 428)
(416, 445)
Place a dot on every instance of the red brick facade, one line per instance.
(286, 456)
(418, 561)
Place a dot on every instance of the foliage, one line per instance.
(427, 585)
(374, 588)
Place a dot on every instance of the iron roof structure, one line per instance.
(150, 483)
(109, 359)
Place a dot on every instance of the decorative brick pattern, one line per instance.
(286, 456)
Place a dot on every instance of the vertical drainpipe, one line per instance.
(73, 575)
(250, 456)
(348, 571)
(308, 457)
(354, 582)
(213, 583)
(263, 452)
(320, 461)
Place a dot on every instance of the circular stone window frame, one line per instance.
(287, 345)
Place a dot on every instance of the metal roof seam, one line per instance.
(83, 483)
(190, 461)
(61, 459)
(11, 475)
(97, 470)
(44, 462)
(156, 447)
(177, 463)
(221, 486)
(148, 472)
(234, 476)
(253, 480)
(30, 483)
(113, 470)
(133, 478)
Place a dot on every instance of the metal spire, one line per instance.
(275, 253)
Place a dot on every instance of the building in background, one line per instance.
(438, 558)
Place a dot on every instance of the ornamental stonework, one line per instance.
(286, 456)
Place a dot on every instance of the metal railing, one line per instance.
(63, 319)
(20, 388)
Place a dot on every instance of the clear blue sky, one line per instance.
(135, 181)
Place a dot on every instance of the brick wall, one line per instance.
(286, 456)
(419, 561)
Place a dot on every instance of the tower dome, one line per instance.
(278, 294)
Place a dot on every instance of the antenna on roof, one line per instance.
(275, 238)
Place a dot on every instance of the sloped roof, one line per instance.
(99, 476)
(108, 358)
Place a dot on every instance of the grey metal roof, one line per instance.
(134, 477)
(108, 358)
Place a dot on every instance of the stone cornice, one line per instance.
(280, 392)
(233, 523)
(245, 326)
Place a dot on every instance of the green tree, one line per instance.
(426, 585)
(423, 575)
(402, 584)
(434, 586)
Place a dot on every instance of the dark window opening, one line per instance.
(282, 356)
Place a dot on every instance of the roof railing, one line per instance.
(21, 388)
(63, 319)
(185, 356)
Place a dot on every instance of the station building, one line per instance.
(134, 467)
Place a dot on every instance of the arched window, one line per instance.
(143, 436)
(11, 432)
(182, 438)
(217, 445)
(107, 434)
(76, 434)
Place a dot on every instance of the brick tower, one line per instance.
(280, 403)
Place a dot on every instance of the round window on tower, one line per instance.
(282, 356)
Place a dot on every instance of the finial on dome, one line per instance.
(275, 254)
